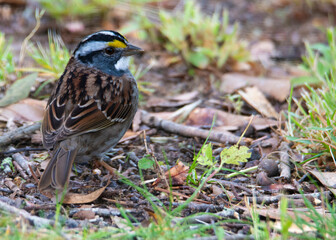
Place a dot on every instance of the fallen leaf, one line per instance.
(277, 88)
(224, 120)
(327, 179)
(262, 51)
(274, 213)
(294, 228)
(178, 174)
(254, 97)
(216, 190)
(121, 223)
(20, 89)
(185, 96)
(161, 102)
(136, 121)
(75, 198)
(26, 110)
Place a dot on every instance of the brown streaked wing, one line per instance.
(52, 122)
(61, 122)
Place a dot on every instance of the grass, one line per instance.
(7, 65)
(200, 39)
(313, 123)
(65, 10)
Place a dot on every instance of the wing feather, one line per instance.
(64, 119)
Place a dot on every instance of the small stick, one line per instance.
(284, 166)
(36, 221)
(33, 174)
(188, 131)
(157, 164)
(107, 167)
(17, 157)
(179, 195)
(19, 133)
(274, 199)
(19, 168)
(22, 150)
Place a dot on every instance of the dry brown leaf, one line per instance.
(254, 97)
(225, 121)
(185, 96)
(328, 179)
(26, 110)
(129, 135)
(262, 51)
(294, 228)
(216, 190)
(161, 102)
(163, 115)
(274, 213)
(178, 174)
(121, 223)
(136, 121)
(277, 88)
(74, 198)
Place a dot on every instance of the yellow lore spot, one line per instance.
(116, 44)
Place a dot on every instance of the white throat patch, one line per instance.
(122, 64)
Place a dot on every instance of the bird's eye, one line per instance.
(109, 51)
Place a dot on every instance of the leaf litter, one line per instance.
(176, 154)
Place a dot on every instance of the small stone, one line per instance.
(270, 166)
(263, 180)
(84, 214)
(71, 223)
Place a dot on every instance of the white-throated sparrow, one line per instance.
(92, 106)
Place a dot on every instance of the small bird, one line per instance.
(92, 106)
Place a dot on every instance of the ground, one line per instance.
(275, 32)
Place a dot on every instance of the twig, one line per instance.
(128, 204)
(199, 207)
(187, 131)
(156, 162)
(19, 168)
(12, 186)
(33, 174)
(179, 195)
(107, 167)
(17, 134)
(36, 221)
(103, 212)
(35, 207)
(17, 157)
(285, 171)
(274, 199)
(208, 218)
(230, 183)
(22, 150)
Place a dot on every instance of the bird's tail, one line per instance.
(57, 173)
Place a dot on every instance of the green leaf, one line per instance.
(146, 163)
(299, 81)
(235, 155)
(19, 90)
(205, 158)
(198, 59)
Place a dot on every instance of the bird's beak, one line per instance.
(131, 50)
